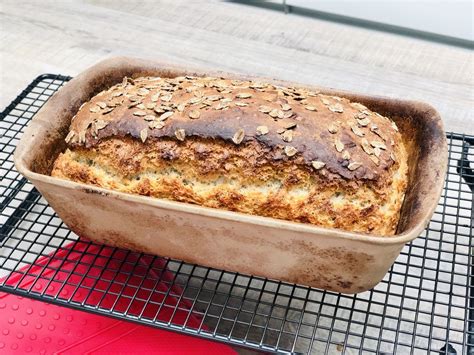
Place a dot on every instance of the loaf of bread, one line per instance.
(242, 145)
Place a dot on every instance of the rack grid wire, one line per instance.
(424, 304)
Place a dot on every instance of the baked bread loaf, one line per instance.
(245, 146)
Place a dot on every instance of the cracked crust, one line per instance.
(245, 146)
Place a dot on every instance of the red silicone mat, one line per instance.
(30, 326)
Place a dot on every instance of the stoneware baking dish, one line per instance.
(295, 252)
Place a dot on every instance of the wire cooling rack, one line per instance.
(424, 304)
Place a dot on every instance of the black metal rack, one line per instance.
(424, 304)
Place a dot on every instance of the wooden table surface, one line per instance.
(68, 36)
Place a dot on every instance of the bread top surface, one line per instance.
(340, 139)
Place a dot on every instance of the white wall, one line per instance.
(450, 18)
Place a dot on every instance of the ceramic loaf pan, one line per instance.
(299, 253)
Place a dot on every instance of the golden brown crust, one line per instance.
(306, 126)
(245, 146)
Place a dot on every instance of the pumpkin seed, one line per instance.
(107, 110)
(265, 109)
(378, 144)
(336, 108)
(167, 98)
(214, 97)
(144, 134)
(287, 136)
(289, 114)
(100, 124)
(274, 113)
(363, 122)
(358, 106)
(194, 114)
(166, 115)
(238, 136)
(366, 146)
(354, 165)
(180, 134)
(317, 164)
(290, 125)
(159, 109)
(375, 159)
(333, 128)
(290, 151)
(262, 130)
(257, 85)
(362, 115)
(243, 95)
(195, 100)
(338, 144)
(357, 131)
(346, 155)
(69, 136)
(156, 124)
(221, 106)
(143, 92)
(82, 137)
(139, 113)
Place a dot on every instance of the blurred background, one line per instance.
(421, 50)
(436, 18)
